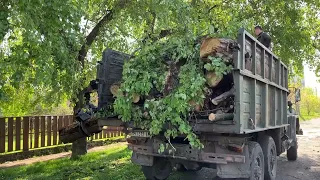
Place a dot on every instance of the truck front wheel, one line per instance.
(256, 161)
(160, 169)
(292, 152)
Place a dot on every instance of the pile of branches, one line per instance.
(169, 79)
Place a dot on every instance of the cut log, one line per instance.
(218, 117)
(136, 98)
(114, 88)
(146, 115)
(195, 106)
(223, 96)
(212, 79)
(212, 116)
(217, 47)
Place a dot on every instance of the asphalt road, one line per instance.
(307, 166)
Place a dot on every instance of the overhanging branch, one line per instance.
(92, 36)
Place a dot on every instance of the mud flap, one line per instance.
(140, 159)
(235, 170)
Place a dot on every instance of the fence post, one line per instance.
(2, 134)
(25, 133)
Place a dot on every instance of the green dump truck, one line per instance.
(243, 143)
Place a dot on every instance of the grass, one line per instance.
(312, 115)
(113, 163)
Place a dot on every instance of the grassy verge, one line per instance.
(313, 115)
(113, 163)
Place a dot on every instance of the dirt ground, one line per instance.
(307, 167)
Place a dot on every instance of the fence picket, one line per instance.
(25, 133)
(18, 133)
(43, 131)
(31, 131)
(2, 135)
(54, 130)
(49, 130)
(10, 134)
(60, 120)
(36, 131)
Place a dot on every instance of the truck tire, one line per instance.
(270, 157)
(292, 153)
(256, 161)
(160, 170)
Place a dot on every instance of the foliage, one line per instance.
(41, 40)
(218, 66)
(310, 102)
(147, 71)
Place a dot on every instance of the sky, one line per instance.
(310, 80)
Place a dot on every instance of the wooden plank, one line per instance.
(60, 120)
(49, 130)
(18, 133)
(54, 130)
(66, 121)
(100, 135)
(25, 133)
(10, 134)
(104, 133)
(36, 131)
(96, 136)
(2, 134)
(70, 119)
(31, 130)
(43, 131)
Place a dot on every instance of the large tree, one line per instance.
(49, 48)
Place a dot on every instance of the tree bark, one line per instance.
(218, 47)
(79, 148)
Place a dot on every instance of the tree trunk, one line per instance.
(79, 148)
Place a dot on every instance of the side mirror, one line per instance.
(297, 95)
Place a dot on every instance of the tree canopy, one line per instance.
(49, 48)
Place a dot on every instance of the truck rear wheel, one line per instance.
(160, 170)
(270, 157)
(256, 161)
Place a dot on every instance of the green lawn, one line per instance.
(113, 163)
(313, 115)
